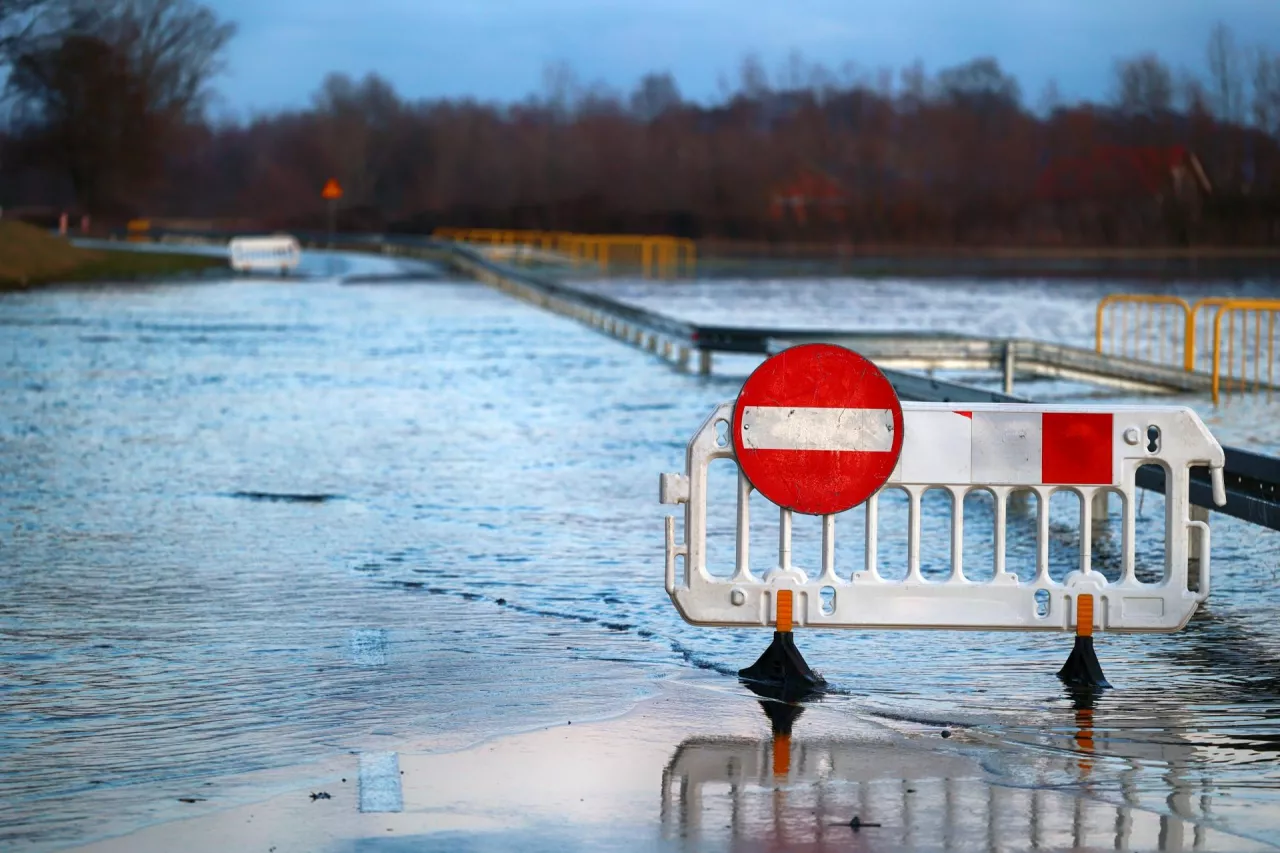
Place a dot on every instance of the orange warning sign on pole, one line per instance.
(332, 190)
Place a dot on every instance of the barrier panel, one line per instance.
(1143, 326)
(279, 254)
(1244, 352)
(1000, 448)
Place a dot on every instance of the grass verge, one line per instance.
(30, 257)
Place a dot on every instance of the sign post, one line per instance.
(331, 193)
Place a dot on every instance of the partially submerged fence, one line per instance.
(654, 255)
(1234, 340)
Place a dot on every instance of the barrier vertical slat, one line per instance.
(1042, 534)
(913, 534)
(872, 540)
(957, 533)
(829, 549)
(1086, 530)
(1001, 495)
(784, 538)
(742, 571)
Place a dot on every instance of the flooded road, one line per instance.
(252, 525)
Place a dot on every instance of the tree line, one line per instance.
(107, 114)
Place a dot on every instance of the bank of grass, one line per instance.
(30, 257)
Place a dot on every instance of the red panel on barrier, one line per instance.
(1076, 449)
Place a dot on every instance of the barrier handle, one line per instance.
(1219, 485)
(671, 553)
(1202, 594)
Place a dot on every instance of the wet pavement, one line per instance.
(249, 527)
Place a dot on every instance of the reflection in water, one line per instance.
(790, 791)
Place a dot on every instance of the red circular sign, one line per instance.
(817, 429)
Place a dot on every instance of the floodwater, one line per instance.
(254, 524)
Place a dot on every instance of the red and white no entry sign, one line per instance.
(817, 429)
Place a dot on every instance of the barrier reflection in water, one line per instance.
(796, 792)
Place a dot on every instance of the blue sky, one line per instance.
(498, 49)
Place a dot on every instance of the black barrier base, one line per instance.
(782, 671)
(1082, 668)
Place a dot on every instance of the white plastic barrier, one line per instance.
(999, 448)
(279, 254)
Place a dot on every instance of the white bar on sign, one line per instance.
(380, 782)
(1007, 447)
(936, 448)
(796, 428)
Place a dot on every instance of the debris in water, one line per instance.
(285, 497)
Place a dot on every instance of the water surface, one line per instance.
(253, 524)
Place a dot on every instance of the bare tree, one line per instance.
(1266, 90)
(108, 83)
(655, 94)
(979, 84)
(560, 88)
(1050, 100)
(1225, 74)
(1144, 85)
(915, 85)
(753, 80)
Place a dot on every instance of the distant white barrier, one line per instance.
(279, 253)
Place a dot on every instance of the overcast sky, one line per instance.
(498, 49)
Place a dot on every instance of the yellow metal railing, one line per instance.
(1199, 353)
(1143, 326)
(1256, 368)
(139, 230)
(655, 255)
(1233, 339)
